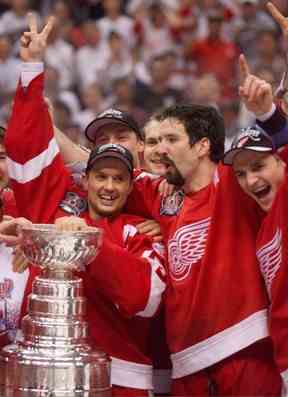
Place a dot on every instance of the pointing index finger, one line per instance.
(244, 68)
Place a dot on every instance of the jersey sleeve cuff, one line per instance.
(30, 70)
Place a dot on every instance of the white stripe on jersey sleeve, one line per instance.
(157, 286)
(23, 173)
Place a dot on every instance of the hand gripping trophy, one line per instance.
(54, 358)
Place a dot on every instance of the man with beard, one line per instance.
(216, 304)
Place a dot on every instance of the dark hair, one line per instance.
(2, 135)
(199, 122)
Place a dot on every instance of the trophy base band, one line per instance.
(29, 372)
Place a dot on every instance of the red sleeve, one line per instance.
(277, 275)
(144, 200)
(10, 207)
(132, 277)
(272, 255)
(38, 176)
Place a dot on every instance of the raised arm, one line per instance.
(258, 98)
(70, 151)
(38, 176)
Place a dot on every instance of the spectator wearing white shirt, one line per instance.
(115, 21)
(93, 102)
(9, 71)
(247, 26)
(55, 93)
(14, 21)
(92, 57)
(154, 32)
(119, 62)
(60, 55)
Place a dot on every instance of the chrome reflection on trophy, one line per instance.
(55, 358)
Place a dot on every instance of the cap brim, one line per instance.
(230, 154)
(111, 154)
(93, 128)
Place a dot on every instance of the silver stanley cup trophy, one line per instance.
(55, 358)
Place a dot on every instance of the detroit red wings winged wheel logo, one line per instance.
(270, 257)
(187, 248)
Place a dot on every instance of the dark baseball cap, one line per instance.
(250, 138)
(110, 150)
(112, 116)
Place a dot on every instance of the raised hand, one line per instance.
(33, 43)
(279, 18)
(255, 93)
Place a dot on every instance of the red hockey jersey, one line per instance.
(117, 314)
(272, 253)
(216, 303)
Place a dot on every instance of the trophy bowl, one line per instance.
(45, 246)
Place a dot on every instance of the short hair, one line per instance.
(2, 135)
(199, 121)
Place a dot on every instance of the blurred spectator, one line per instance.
(92, 57)
(115, 21)
(60, 55)
(229, 10)
(14, 21)
(123, 93)
(247, 25)
(9, 71)
(183, 20)
(157, 94)
(153, 30)
(264, 72)
(55, 93)
(63, 12)
(215, 55)
(63, 120)
(118, 63)
(205, 90)
(268, 54)
(4, 5)
(230, 112)
(93, 103)
(5, 112)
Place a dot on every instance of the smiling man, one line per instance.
(258, 171)
(262, 174)
(117, 126)
(212, 264)
(152, 158)
(119, 317)
(109, 180)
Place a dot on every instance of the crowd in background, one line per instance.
(141, 55)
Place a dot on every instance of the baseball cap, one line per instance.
(111, 116)
(250, 138)
(110, 150)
